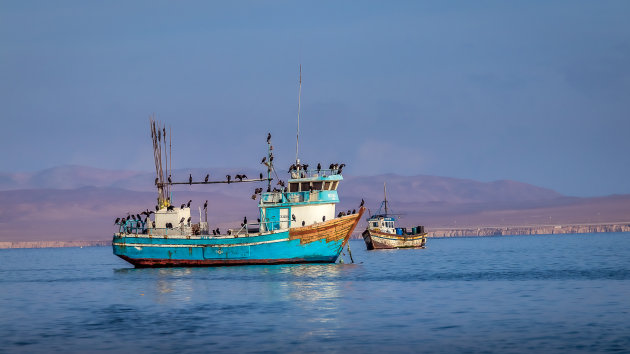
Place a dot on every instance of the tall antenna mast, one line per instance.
(297, 138)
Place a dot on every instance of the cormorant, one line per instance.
(319, 167)
(362, 202)
(243, 177)
(157, 208)
(156, 181)
(218, 231)
(324, 218)
(170, 207)
(271, 159)
(207, 177)
(189, 218)
(261, 176)
(228, 178)
(268, 137)
(169, 179)
(188, 204)
(182, 206)
(182, 220)
(239, 177)
(254, 196)
(214, 232)
(205, 205)
(303, 222)
(264, 159)
(117, 221)
(331, 166)
(190, 179)
(133, 217)
(258, 220)
(293, 217)
(305, 167)
(245, 220)
(138, 217)
(354, 211)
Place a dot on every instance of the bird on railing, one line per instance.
(362, 202)
(293, 217)
(228, 178)
(319, 167)
(169, 179)
(264, 159)
(218, 231)
(190, 179)
(254, 196)
(189, 218)
(258, 219)
(157, 208)
(239, 177)
(182, 206)
(156, 181)
(188, 204)
(305, 166)
(170, 208)
(245, 220)
(261, 175)
(268, 137)
(324, 218)
(303, 222)
(117, 221)
(207, 177)
(181, 221)
(354, 211)
(205, 205)
(138, 217)
(271, 158)
(214, 232)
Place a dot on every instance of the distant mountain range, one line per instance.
(81, 203)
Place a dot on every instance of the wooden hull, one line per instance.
(380, 240)
(317, 243)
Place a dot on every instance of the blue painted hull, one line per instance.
(315, 244)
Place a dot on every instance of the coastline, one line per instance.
(53, 244)
(431, 233)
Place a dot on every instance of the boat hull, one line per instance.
(317, 243)
(380, 240)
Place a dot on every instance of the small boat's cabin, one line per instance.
(382, 223)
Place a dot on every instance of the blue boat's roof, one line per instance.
(379, 216)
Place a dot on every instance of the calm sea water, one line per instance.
(513, 294)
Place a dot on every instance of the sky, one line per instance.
(532, 91)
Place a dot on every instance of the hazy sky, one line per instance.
(533, 91)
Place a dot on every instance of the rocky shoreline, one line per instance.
(529, 230)
(53, 244)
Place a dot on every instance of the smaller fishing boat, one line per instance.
(382, 233)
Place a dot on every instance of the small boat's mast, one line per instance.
(297, 138)
(385, 192)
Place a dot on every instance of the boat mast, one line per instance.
(385, 192)
(297, 138)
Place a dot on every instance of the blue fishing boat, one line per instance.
(297, 224)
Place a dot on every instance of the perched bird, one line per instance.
(339, 214)
(268, 137)
(354, 211)
(182, 220)
(218, 231)
(324, 218)
(123, 220)
(362, 202)
(138, 223)
(264, 159)
(214, 232)
(170, 208)
(342, 165)
(205, 205)
(157, 208)
(243, 177)
(190, 179)
(245, 220)
(254, 196)
(319, 167)
(117, 221)
(303, 222)
(305, 167)
(138, 217)
(271, 159)
(258, 220)
(189, 218)
(182, 206)
(349, 212)
(239, 177)
(331, 166)
(188, 204)
(261, 176)
(293, 217)
(133, 217)
(228, 178)
(169, 179)
(156, 181)
(207, 177)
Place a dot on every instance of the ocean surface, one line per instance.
(509, 294)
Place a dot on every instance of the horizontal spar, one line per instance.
(215, 182)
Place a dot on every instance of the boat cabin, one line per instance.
(308, 199)
(382, 223)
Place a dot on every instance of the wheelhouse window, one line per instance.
(293, 187)
(317, 186)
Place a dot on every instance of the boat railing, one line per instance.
(314, 173)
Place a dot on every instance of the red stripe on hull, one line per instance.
(163, 263)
